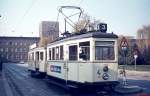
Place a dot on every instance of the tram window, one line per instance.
(85, 50)
(61, 53)
(37, 56)
(50, 54)
(32, 56)
(53, 53)
(41, 55)
(104, 51)
(57, 53)
(73, 52)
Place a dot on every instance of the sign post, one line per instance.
(135, 57)
(124, 51)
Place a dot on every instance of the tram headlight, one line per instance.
(105, 76)
(105, 69)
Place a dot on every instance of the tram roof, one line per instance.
(95, 34)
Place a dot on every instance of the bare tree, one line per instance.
(143, 36)
(86, 22)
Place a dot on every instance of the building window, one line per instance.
(24, 49)
(12, 57)
(21, 43)
(7, 57)
(6, 49)
(1, 49)
(73, 52)
(7, 43)
(25, 43)
(11, 49)
(15, 43)
(15, 49)
(20, 49)
(21, 57)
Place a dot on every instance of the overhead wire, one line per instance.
(26, 12)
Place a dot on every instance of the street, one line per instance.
(22, 84)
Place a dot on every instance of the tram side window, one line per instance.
(61, 53)
(85, 50)
(104, 51)
(57, 53)
(53, 53)
(50, 55)
(37, 56)
(41, 56)
(32, 55)
(73, 52)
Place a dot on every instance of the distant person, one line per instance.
(123, 75)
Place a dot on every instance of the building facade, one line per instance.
(15, 49)
(48, 31)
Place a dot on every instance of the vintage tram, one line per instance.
(78, 60)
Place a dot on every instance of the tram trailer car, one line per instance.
(79, 60)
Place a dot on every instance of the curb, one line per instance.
(128, 89)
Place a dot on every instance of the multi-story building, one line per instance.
(15, 49)
(49, 31)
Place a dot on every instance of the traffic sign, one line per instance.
(124, 47)
(124, 43)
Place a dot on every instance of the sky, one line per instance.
(22, 17)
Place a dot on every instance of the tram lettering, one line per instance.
(54, 68)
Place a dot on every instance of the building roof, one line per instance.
(19, 37)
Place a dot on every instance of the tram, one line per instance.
(79, 60)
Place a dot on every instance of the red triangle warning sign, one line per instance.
(124, 42)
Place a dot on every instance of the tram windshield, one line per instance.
(104, 50)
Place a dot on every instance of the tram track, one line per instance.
(24, 88)
(24, 85)
(11, 82)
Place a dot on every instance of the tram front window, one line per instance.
(84, 50)
(104, 51)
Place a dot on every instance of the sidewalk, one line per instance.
(138, 75)
(2, 88)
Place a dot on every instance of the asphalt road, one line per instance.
(22, 84)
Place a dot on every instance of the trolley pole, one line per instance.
(65, 24)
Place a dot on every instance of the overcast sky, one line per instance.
(22, 17)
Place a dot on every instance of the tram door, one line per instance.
(72, 56)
